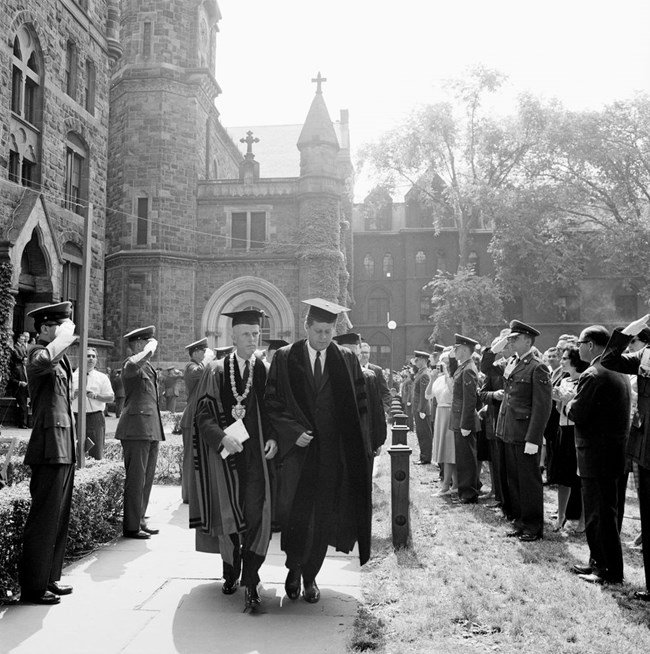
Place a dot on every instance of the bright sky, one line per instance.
(382, 58)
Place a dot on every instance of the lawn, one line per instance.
(463, 586)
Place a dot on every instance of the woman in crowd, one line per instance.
(564, 468)
(444, 450)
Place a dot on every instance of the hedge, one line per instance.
(95, 517)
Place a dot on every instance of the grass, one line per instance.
(462, 586)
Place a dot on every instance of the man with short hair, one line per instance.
(364, 360)
(171, 382)
(140, 430)
(231, 510)
(601, 413)
(464, 420)
(98, 393)
(422, 408)
(316, 399)
(525, 407)
(18, 380)
(50, 455)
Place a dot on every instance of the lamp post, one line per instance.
(392, 325)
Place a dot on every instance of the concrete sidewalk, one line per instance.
(161, 596)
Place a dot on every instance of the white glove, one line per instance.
(150, 345)
(498, 344)
(531, 448)
(66, 328)
(208, 356)
(636, 326)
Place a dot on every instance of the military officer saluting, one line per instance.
(526, 404)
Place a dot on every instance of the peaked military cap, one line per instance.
(644, 335)
(201, 344)
(247, 317)
(421, 354)
(275, 343)
(438, 348)
(51, 312)
(518, 327)
(323, 310)
(465, 340)
(223, 351)
(348, 339)
(142, 333)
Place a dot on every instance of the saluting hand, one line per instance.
(150, 346)
(304, 439)
(636, 326)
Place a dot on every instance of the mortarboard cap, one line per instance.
(142, 333)
(323, 310)
(351, 338)
(247, 317)
(275, 343)
(518, 327)
(51, 312)
(421, 354)
(465, 340)
(201, 344)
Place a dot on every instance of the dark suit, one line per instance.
(464, 400)
(51, 456)
(192, 375)
(18, 383)
(523, 414)
(638, 446)
(601, 413)
(384, 391)
(376, 415)
(421, 405)
(140, 430)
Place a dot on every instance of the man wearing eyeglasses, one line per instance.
(525, 407)
(98, 393)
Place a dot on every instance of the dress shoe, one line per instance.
(252, 599)
(642, 595)
(592, 578)
(292, 584)
(46, 598)
(515, 533)
(422, 463)
(229, 586)
(149, 530)
(139, 534)
(59, 589)
(582, 569)
(529, 538)
(469, 500)
(311, 592)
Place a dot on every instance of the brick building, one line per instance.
(55, 59)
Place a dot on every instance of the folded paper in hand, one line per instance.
(237, 431)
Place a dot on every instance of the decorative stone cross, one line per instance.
(249, 140)
(319, 80)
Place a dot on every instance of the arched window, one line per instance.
(425, 303)
(378, 307)
(442, 260)
(420, 264)
(369, 265)
(71, 286)
(568, 308)
(388, 265)
(76, 174)
(26, 108)
(472, 261)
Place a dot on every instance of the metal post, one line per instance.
(399, 433)
(399, 468)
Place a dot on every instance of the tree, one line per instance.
(464, 302)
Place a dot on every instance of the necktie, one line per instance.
(318, 371)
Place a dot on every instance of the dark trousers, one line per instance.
(140, 464)
(22, 413)
(501, 473)
(95, 434)
(525, 489)
(496, 469)
(170, 403)
(311, 561)
(46, 529)
(600, 497)
(622, 493)
(425, 437)
(466, 465)
(644, 510)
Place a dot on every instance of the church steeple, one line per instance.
(318, 126)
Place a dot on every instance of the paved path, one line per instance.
(160, 596)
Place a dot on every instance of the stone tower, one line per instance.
(164, 137)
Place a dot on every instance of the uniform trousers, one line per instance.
(525, 489)
(140, 459)
(46, 529)
(644, 510)
(600, 498)
(170, 403)
(22, 414)
(467, 471)
(119, 406)
(500, 475)
(95, 433)
(425, 437)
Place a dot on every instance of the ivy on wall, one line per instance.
(6, 324)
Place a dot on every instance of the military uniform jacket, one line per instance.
(527, 402)
(140, 420)
(192, 375)
(638, 446)
(420, 383)
(464, 398)
(386, 397)
(50, 387)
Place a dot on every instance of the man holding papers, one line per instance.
(232, 442)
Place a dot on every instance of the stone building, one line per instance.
(55, 59)
(195, 227)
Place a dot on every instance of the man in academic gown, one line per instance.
(231, 509)
(316, 397)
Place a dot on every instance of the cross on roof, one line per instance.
(319, 80)
(249, 140)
